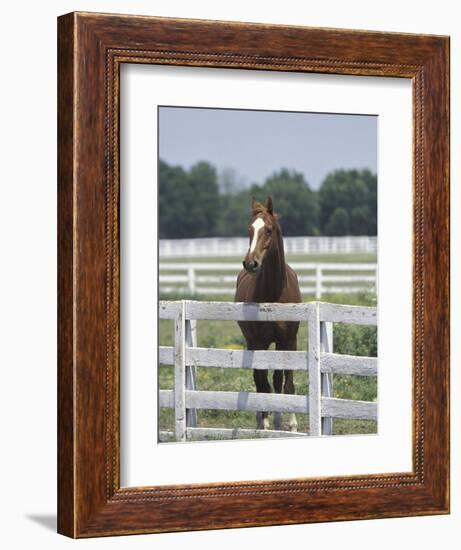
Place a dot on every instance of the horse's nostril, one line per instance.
(250, 265)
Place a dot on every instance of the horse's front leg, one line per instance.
(288, 386)
(262, 386)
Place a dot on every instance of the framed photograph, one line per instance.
(253, 259)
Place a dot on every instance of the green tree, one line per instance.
(361, 220)
(372, 201)
(294, 201)
(188, 201)
(235, 213)
(192, 205)
(204, 199)
(338, 224)
(172, 200)
(355, 192)
(230, 181)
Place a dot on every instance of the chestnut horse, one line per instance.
(267, 278)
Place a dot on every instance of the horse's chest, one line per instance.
(265, 333)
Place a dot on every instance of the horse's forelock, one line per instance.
(263, 213)
(258, 210)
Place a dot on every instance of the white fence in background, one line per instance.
(237, 246)
(319, 361)
(220, 278)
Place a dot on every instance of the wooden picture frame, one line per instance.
(91, 48)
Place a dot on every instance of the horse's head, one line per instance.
(263, 231)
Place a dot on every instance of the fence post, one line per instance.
(315, 424)
(191, 279)
(318, 282)
(180, 373)
(326, 345)
(191, 341)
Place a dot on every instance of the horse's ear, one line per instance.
(256, 207)
(269, 206)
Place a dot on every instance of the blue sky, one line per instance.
(256, 143)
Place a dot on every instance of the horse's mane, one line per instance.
(259, 209)
(280, 247)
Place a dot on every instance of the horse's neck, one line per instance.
(272, 276)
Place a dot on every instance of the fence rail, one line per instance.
(236, 246)
(319, 361)
(314, 278)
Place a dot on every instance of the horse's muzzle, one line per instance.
(251, 266)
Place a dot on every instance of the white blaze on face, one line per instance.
(258, 224)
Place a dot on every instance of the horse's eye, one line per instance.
(268, 232)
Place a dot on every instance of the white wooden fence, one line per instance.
(236, 246)
(220, 278)
(319, 361)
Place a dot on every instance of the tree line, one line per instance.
(199, 202)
